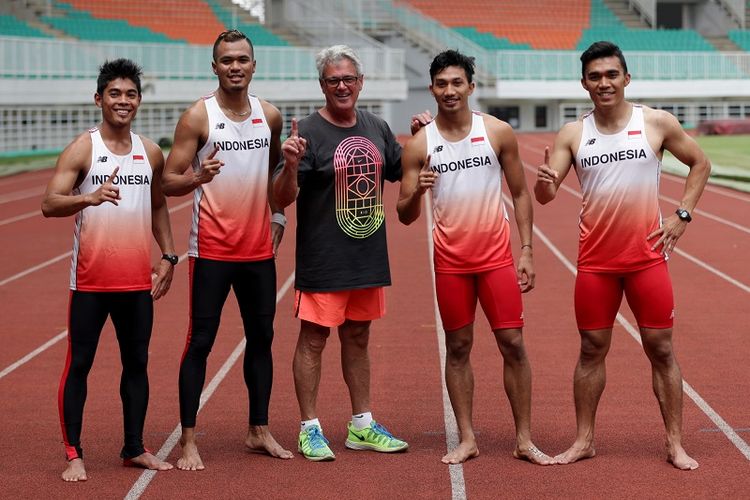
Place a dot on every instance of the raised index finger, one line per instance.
(546, 155)
(295, 131)
(112, 176)
(213, 153)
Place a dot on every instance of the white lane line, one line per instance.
(54, 340)
(701, 403)
(148, 475)
(68, 254)
(708, 215)
(712, 269)
(458, 485)
(21, 195)
(35, 268)
(20, 217)
(678, 251)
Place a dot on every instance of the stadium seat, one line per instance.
(12, 26)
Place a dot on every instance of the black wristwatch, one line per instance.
(683, 214)
(171, 258)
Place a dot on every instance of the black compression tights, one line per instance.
(254, 285)
(132, 316)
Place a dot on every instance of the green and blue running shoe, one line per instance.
(314, 446)
(375, 438)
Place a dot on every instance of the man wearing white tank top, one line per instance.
(624, 244)
(461, 157)
(225, 146)
(109, 178)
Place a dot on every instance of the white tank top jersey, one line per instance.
(470, 229)
(619, 175)
(112, 243)
(231, 216)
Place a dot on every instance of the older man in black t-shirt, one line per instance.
(334, 164)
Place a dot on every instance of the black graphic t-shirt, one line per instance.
(341, 242)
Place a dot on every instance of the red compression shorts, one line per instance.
(498, 293)
(648, 291)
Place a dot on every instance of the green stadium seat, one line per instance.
(12, 26)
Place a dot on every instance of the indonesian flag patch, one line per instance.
(634, 134)
(138, 159)
(476, 141)
(257, 122)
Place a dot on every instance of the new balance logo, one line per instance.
(438, 149)
(220, 126)
(591, 141)
(101, 159)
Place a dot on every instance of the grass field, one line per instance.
(727, 150)
(730, 160)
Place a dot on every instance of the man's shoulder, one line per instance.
(370, 117)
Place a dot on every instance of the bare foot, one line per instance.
(534, 455)
(260, 440)
(681, 460)
(460, 454)
(75, 471)
(190, 459)
(147, 461)
(575, 453)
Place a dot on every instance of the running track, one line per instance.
(712, 286)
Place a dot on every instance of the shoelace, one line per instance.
(317, 439)
(381, 430)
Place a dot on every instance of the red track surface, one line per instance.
(711, 337)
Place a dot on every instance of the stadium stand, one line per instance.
(572, 25)
(12, 26)
(183, 21)
(80, 24)
(741, 38)
(518, 23)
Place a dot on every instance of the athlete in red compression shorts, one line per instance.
(461, 158)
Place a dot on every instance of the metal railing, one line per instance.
(22, 57)
(565, 65)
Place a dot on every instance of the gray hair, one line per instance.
(333, 55)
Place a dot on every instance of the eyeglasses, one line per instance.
(333, 83)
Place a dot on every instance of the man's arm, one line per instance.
(684, 148)
(275, 123)
(501, 134)
(416, 178)
(178, 178)
(71, 167)
(160, 226)
(557, 165)
(285, 186)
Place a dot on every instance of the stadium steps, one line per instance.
(234, 17)
(723, 43)
(621, 9)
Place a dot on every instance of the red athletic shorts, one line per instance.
(333, 308)
(649, 294)
(498, 293)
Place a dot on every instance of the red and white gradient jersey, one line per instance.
(231, 217)
(619, 175)
(470, 228)
(112, 243)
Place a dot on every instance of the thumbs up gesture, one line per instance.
(427, 176)
(544, 172)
